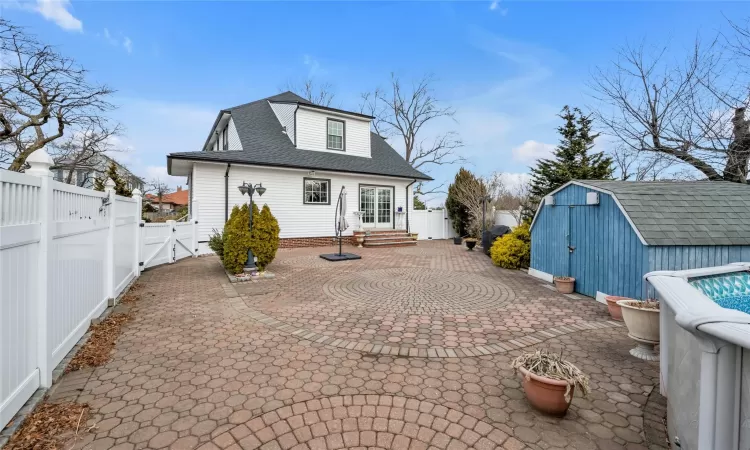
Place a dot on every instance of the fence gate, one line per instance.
(165, 243)
(431, 224)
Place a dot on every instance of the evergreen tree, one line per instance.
(571, 160)
(121, 185)
(457, 211)
(264, 240)
(237, 239)
(419, 204)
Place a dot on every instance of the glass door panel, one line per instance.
(367, 206)
(384, 218)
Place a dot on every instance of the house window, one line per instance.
(317, 191)
(224, 143)
(335, 134)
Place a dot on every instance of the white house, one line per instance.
(303, 154)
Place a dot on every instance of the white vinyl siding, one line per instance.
(312, 132)
(285, 113)
(233, 137)
(284, 195)
(207, 189)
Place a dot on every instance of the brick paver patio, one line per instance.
(406, 348)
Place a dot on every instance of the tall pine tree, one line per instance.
(121, 185)
(457, 211)
(571, 160)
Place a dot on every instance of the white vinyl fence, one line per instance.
(431, 224)
(65, 253)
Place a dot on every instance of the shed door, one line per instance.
(583, 261)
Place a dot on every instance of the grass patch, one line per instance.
(50, 426)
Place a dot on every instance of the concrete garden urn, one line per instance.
(642, 320)
(565, 285)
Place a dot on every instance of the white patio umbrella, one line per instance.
(343, 224)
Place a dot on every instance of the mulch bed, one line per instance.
(50, 426)
(98, 349)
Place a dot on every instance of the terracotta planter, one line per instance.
(565, 285)
(643, 328)
(614, 309)
(545, 394)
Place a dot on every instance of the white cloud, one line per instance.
(57, 11)
(530, 151)
(313, 65)
(128, 44)
(159, 173)
(495, 6)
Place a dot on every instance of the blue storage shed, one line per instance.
(608, 234)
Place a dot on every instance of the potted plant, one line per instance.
(614, 309)
(549, 381)
(470, 243)
(565, 285)
(414, 235)
(642, 320)
(457, 240)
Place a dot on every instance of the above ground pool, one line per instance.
(729, 290)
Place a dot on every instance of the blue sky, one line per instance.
(506, 67)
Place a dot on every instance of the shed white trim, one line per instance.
(588, 186)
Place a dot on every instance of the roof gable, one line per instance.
(264, 143)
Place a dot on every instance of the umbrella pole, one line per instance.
(338, 228)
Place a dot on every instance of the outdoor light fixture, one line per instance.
(249, 189)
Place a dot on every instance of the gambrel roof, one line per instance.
(682, 212)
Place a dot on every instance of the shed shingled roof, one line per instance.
(684, 212)
(264, 143)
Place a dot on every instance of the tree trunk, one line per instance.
(738, 153)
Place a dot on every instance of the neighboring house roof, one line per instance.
(682, 212)
(264, 143)
(179, 198)
(99, 163)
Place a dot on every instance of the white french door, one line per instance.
(376, 205)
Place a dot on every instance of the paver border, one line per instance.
(516, 343)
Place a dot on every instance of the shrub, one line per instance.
(513, 250)
(236, 239)
(216, 243)
(265, 237)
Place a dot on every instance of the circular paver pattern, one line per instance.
(367, 421)
(405, 291)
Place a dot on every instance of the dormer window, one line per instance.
(224, 142)
(335, 139)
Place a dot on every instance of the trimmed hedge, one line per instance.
(236, 239)
(513, 250)
(265, 237)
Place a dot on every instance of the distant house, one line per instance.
(84, 174)
(608, 234)
(170, 202)
(303, 154)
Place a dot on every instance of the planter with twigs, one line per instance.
(549, 381)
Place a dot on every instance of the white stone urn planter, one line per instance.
(642, 320)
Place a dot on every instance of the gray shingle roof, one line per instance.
(684, 212)
(265, 144)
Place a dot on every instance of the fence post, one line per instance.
(194, 228)
(40, 163)
(138, 212)
(172, 241)
(109, 189)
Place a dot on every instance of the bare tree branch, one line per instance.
(404, 113)
(319, 94)
(690, 112)
(42, 93)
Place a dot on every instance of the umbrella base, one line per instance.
(339, 256)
